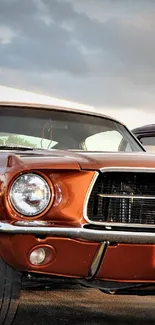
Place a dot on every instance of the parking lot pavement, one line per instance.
(85, 306)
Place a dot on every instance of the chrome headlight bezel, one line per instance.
(48, 189)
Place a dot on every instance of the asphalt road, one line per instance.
(86, 306)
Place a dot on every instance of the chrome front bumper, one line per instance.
(91, 235)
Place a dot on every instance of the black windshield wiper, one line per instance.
(5, 147)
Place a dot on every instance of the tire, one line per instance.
(10, 284)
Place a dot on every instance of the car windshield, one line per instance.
(57, 129)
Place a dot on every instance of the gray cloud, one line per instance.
(37, 46)
(100, 52)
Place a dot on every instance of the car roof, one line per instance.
(67, 106)
(22, 98)
(144, 129)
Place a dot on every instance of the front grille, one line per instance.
(123, 197)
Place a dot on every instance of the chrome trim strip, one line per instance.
(128, 169)
(91, 235)
(97, 260)
(109, 225)
(32, 223)
(121, 196)
(115, 169)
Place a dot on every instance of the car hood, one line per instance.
(76, 160)
(98, 160)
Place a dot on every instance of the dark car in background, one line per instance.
(146, 135)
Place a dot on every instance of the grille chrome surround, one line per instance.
(111, 223)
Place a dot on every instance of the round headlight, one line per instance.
(30, 194)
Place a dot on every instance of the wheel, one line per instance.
(10, 284)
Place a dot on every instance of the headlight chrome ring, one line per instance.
(30, 194)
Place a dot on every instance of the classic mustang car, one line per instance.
(77, 202)
(146, 135)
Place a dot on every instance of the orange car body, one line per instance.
(130, 253)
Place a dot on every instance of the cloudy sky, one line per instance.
(95, 52)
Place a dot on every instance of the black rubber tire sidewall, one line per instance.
(10, 284)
